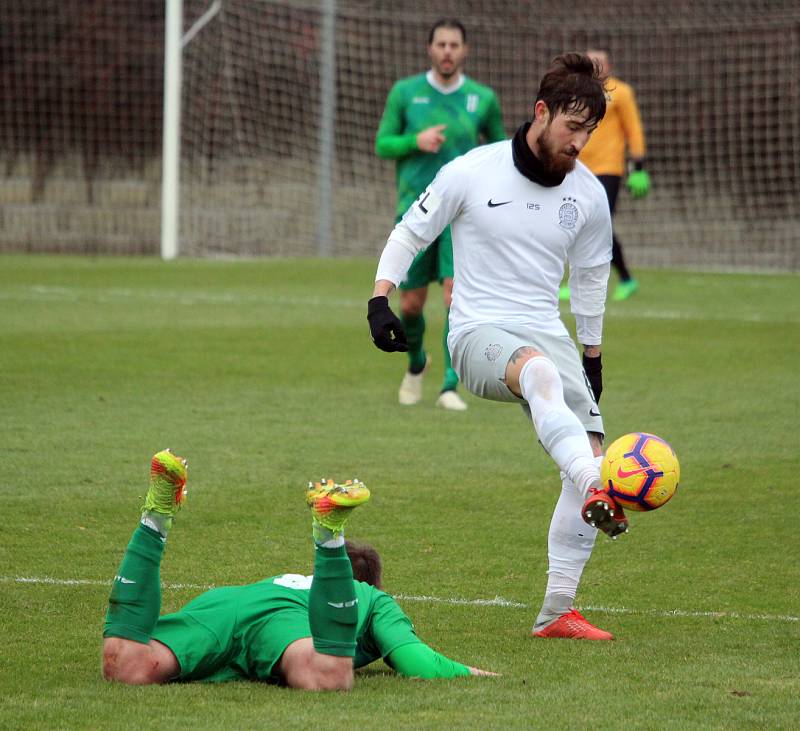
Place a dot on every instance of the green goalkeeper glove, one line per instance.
(638, 183)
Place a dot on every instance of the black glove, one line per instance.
(386, 329)
(593, 368)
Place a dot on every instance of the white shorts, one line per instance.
(480, 357)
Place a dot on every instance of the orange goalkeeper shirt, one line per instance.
(621, 128)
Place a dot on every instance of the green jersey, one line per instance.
(241, 631)
(414, 104)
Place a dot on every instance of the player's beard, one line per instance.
(449, 71)
(554, 161)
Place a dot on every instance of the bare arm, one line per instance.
(383, 288)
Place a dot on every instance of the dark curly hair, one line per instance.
(573, 84)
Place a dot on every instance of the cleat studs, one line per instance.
(611, 513)
(593, 524)
(588, 513)
(613, 538)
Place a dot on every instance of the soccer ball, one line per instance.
(640, 471)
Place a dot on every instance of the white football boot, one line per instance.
(410, 392)
(451, 401)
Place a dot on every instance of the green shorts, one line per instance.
(432, 264)
(235, 632)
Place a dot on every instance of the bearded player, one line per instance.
(518, 210)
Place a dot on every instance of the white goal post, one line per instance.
(174, 43)
(171, 154)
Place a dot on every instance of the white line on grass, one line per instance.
(685, 613)
(496, 602)
(86, 582)
(189, 297)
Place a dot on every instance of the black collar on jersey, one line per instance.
(530, 165)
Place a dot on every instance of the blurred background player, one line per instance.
(618, 136)
(303, 631)
(430, 119)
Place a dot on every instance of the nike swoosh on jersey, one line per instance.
(123, 580)
(494, 205)
(592, 412)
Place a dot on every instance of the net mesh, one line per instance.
(80, 120)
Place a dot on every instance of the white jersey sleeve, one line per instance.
(589, 267)
(399, 252)
(593, 245)
(587, 286)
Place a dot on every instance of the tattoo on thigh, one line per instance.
(525, 351)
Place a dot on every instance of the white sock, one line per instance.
(325, 537)
(559, 430)
(334, 542)
(569, 547)
(157, 521)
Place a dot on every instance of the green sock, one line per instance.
(135, 600)
(332, 603)
(414, 326)
(450, 376)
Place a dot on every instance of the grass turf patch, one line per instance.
(262, 374)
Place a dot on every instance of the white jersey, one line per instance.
(511, 237)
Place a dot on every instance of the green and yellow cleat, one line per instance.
(331, 504)
(167, 491)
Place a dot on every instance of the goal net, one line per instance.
(716, 82)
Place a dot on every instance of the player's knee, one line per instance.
(544, 372)
(412, 301)
(539, 377)
(110, 663)
(336, 679)
(304, 668)
(119, 670)
(122, 665)
(331, 672)
(323, 679)
(516, 362)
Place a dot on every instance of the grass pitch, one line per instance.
(263, 375)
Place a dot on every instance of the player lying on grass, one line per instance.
(302, 631)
